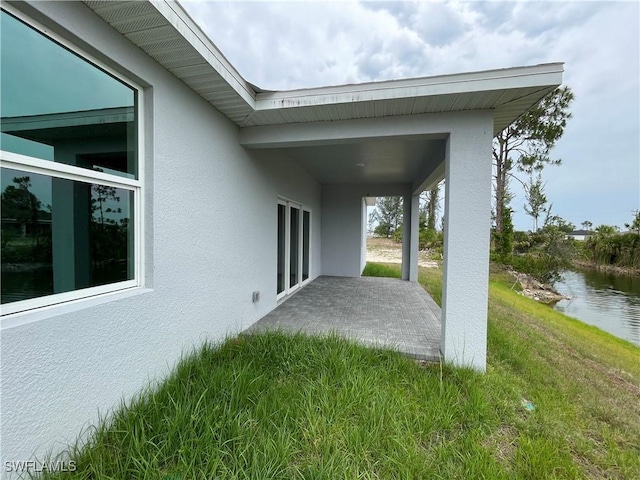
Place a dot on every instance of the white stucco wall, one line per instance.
(466, 241)
(343, 220)
(341, 231)
(211, 241)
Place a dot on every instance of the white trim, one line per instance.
(178, 17)
(29, 316)
(288, 289)
(285, 267)
(139, 196)
(296, 286)
(62, 170)
(303, 282)
(482, 81)
(49, 168)
(34, 303)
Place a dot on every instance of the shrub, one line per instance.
(609, 248)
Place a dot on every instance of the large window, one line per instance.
(70, 173)
(294, 243)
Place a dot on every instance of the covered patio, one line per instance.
(396, 138)
(384, 312)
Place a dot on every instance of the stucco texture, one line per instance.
(210, 239)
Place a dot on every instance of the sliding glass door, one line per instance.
(306, 243)
(294, 249)
(282, 229)
(294, 246)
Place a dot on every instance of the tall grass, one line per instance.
(278, 406)
(292, 407)
(382, 270)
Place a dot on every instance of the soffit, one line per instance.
(166, 32)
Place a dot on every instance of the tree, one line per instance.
(605, 230)
(504, 239)
(527, 142)
(557, 222)
(372, 221)
(536, 199)
(19, 204)
(432, 206)
(389, 212)
(634, 226)
(587, 225)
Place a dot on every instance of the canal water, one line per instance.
(610, 302)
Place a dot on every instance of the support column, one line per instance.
(70, 215)
(406, 236)
(466, 242)
(415, 237)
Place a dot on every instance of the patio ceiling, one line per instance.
(388, 160)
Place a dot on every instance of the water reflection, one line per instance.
(610, 302)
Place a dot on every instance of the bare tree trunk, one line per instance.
(500, 181)
(432, 207)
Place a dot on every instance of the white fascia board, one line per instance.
(178, 17)
(490, 80)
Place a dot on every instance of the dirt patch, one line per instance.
(504, 444)
(387, 250)
(540, 292)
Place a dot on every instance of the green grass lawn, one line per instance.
(281, 406)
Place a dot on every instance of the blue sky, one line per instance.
(286, 45)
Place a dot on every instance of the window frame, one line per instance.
(288, 288)
(52, 169)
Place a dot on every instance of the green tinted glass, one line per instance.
(61, 235)
(57, 106)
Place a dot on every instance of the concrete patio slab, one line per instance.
(384, 312)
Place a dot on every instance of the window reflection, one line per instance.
(60, 235)
(57, 106)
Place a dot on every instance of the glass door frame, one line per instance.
(304, 250)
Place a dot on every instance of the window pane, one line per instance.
(60, 235)
(306, 225)
(57, 106)
(282, 224)
(294, 250)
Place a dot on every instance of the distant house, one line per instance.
(579, 235)
(187, 203)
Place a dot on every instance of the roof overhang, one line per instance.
(306, 125)
(508, 92)
(166, 32)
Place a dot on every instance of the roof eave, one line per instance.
(192, 57)
(542, 75)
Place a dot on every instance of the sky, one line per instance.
(280, 45)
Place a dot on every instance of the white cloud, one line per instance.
(284, 45)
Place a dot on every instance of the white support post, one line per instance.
(406, 236)
(415, 237)
(466, 243)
